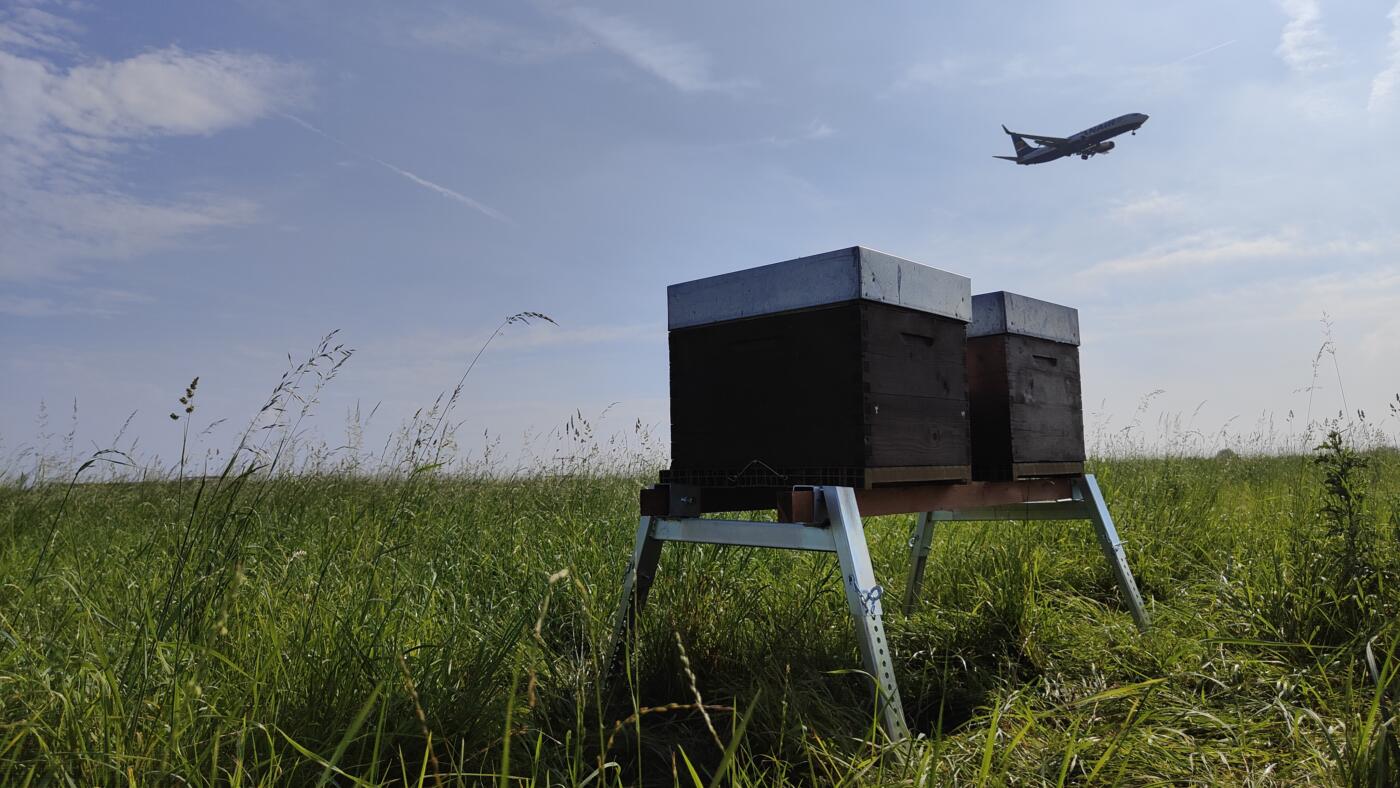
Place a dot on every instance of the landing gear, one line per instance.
(1084, 156)
(1134, 133)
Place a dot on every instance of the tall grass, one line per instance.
(433, 625)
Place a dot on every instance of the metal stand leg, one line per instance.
(636, 582)
(919, 543)
(1113, 550)
(863, 598)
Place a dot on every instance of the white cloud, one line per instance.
(1153, 205)
(1384, 85)
(680, 64)
(1220, 249)
(1303, 45)
(63, 129)
(165, 92)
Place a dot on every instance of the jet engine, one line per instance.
(1104, 147)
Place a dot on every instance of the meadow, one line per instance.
(425, 623)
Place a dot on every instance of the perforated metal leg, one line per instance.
(636, 583)
(919, 543)
(863, 598)
(1112, 548)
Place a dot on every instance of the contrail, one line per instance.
(1202, 52)
(421, 181)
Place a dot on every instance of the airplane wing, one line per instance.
(1039, 140)
(1045, 140)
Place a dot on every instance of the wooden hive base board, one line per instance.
(918, 473)
(759, 475)
(1032, 470)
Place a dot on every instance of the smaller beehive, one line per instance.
(840, 368)
(1023, 388)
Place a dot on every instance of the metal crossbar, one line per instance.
(1086, 503)
(835, 527)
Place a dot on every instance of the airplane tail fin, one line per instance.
(1016, 139)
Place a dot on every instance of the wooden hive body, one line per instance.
(843, 368)
(1024, 388)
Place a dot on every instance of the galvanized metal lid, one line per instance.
(830, 278)
(1008, 313)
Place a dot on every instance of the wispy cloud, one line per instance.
(1364, 296)
(450, 194)
(1202, 53)
(435, 357)
(25, 26)
(63, 130)
(1069, 67)
(683, 65)
(1153, 205)
(940, 73)
(1195, 252)
(98, 302)
(1384, 85)
(1210, 250)
(541, 336)
(982, 71)
(495, 40)
(816, 130)
(453, 348)
(1303, 45)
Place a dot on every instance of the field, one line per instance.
(425, 628)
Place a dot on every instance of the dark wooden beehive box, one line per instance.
(1023, 383)
(841, 368)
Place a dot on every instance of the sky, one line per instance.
(207, 188)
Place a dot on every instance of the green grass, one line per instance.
(423, 629)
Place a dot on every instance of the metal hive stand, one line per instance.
(827, 519)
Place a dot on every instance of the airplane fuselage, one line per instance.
(1084, 144)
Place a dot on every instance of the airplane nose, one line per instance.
(1143, 118)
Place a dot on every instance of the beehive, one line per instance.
(1023, 384)
(840, 368)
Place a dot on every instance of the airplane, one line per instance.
(1086, 143)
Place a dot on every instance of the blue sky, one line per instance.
(203, 188)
